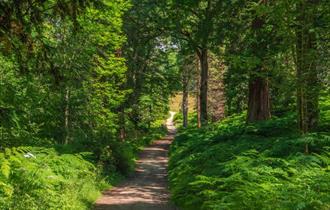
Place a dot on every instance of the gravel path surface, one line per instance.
(148, 189)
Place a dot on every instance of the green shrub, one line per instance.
(41, 178)
(67, 176)
(232, 165)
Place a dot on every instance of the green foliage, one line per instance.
(37, 177)
(325, 112)
(83, 84)
(151, 64)
(67, 86)
(231, 165)
(63, 98)
(66, 176)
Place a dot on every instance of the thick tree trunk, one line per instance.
(258, 105)
(259, 102)
(308, 87)
(203, 57)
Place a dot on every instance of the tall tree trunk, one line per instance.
(203, 57)
(66, 116)
(308, 87)
(185, 108)
(258, 105)
(259, 99)
(185, 95)
(122, 131)
(198, 107)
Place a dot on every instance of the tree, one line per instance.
(150, 54)
(61, 56)
(186, 61)
(197, 23)
(308, 84)
(259, 97)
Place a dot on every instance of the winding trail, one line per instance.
(148, 189)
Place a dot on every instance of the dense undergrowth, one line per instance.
(65, 177)
(232, 165)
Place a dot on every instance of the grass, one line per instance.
(232, 165)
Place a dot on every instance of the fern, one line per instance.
(50, 180)
(259, 166)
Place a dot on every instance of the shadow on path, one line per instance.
(148, 189)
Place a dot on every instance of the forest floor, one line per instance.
(148, 188)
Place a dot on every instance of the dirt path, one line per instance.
(148, 189)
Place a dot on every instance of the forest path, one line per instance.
(148, 189)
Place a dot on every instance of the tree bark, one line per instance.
(185, 107)
(203, 57)
(66, 116)
(259, 99)
(308, 87)
(258, 105)
(185, 95)
(122, 130)
(198, 108)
